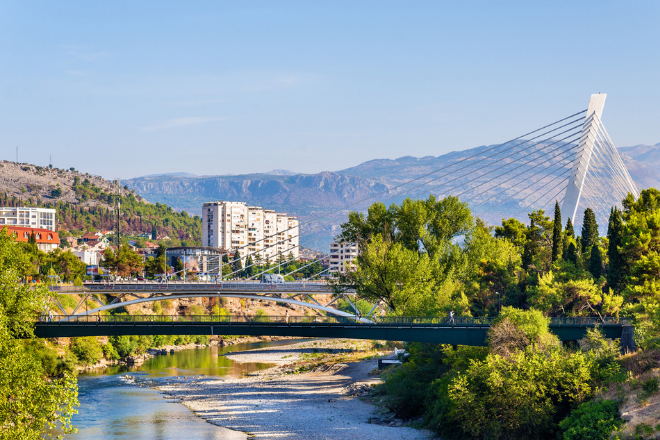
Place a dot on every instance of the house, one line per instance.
(90, 239)
(47, 240)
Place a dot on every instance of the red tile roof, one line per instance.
(42, 235)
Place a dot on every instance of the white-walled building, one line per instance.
(43, 218)
(249, 229)
(342, 256)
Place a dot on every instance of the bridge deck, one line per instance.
(463, 331)
(225, 287)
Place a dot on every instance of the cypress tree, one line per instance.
(570, 232)
(556, 235)
(237, 266)
(33, 238)
(589, 230)
(596, 262)
(615, 270)
(249, 269)
(572, 254)
(154, 232)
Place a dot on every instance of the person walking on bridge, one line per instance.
(286, 316)
(451, 318)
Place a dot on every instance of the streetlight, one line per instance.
(499, 304)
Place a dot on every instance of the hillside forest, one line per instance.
(430, 257)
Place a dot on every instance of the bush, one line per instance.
(651, 386)
(124, 345)
(157, 308)
(518, 398)
(196, 310)
(87, 350)
(110, 352)
(260, 315)
(591, 421)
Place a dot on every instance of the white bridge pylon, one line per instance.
(598, 174)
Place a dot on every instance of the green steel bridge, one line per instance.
(460, 331)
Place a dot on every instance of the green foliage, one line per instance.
(593, 420)
(157, 308)
(518, 398)
(196, 310)
(125, 263)
(532, 323)
(556, 234)
(651, 386)
(87, 350)
(589, 235)
(124, 345)
(30, 400)
(596, 262)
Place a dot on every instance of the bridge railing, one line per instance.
(381, 321)
(205, 287)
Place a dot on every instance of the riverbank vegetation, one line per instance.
(429, 257)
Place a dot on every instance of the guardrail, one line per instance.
(380, 321)
(198, 287)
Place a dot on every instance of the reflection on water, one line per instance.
(113, 407)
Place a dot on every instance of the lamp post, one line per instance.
(499, 304)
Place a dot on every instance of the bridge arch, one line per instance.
(215, 295)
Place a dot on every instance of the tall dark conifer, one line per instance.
(570, 232)
(596, 262)
(615, 270)
(556, 235)
(589, 230)
(237, 265)
(572, 253)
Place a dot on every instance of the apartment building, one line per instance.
(342, 256)
(42, 218)
(250, 229)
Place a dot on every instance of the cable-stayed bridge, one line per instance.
(572, 161)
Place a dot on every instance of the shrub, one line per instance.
(87, 350)
(651, 386)
(592, 420)
(518, 398)
(195, 310)
(167, 304)
(157, 308)
(604, 350)
(260, 315)
(125, 345)
(110, 352)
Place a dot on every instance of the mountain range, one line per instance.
(310, 196)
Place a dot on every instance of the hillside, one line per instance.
(86, 203)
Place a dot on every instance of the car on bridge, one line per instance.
(272, 278)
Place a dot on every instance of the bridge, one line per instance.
(297, 293)
(460, 331)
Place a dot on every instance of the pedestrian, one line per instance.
(50, 316)
(451, 318)
(360, 315)
(286, 316)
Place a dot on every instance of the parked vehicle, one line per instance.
(272, 278)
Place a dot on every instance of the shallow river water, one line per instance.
(114, 406)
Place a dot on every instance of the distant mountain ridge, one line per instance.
(310, 195)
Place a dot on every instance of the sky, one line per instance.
(125, 89)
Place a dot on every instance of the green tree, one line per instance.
(237, 265)
(399, 277)
(154, 232)
(589, 235)
(593, 420)
(615, 269)
(30, 401)
(557, 235)
(249, 267)
(596, 262)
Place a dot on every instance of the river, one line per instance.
(115, 403)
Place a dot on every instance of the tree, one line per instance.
(596, 262)
(30, 401)
(572, 253)
(590, 234)
(556, 235)
(249, 268)
(237, 265)
(154, 232)
(399, 277)
(615, 269)
(570, 232)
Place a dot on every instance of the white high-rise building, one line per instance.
(43, 218)
(250, 229)
(342, 256)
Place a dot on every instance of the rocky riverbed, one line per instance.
(315, 391)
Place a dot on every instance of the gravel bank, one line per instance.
(313, 405)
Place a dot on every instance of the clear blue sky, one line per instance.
(123, 89)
